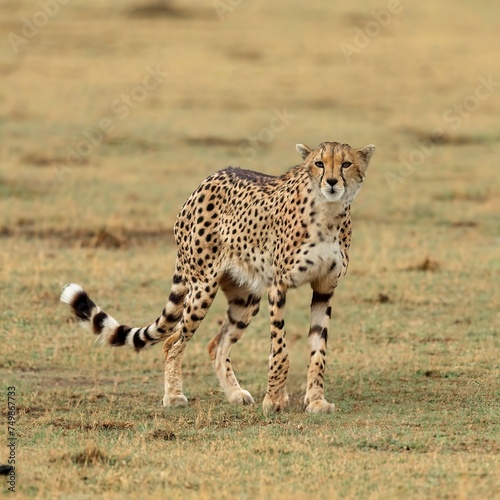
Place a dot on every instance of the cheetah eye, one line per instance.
(346, 164)
(319, 164)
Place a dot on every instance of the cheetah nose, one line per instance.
(331, 182)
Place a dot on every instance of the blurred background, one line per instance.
(109, 108)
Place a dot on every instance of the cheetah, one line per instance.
(248, 233)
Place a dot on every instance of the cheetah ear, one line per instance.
(303, 150)
(367, 152)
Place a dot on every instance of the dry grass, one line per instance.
(413, 362)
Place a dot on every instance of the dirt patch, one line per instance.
(43, 160)
(381, 298)
(135, 143)
(105, 424)
(449, 139)
(115, 238)
(469, 196)
(245, 55)
(162, 434)
(322, 103)
(22, 189)
(439, 374)
(427, 265)
(165, 9)
(34, 411)
(462, 223)
(389, 445)
(481, 445)
(90, 456)
(153, 10)
(213, 141)
(430, 340)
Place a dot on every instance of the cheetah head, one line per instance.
(337, 169)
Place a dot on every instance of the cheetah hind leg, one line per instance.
(173, 349)
(242, 306)
(196, 305)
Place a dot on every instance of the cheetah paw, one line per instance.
(179, 400)
(320, 406)
(241, 397)
(279, 404)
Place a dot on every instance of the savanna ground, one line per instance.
(414, 349)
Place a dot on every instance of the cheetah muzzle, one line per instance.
(247, 234)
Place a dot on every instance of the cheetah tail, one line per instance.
(109, 331)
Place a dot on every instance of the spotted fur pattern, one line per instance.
(247, 233)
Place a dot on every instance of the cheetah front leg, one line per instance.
(321, 312)
(276, 398)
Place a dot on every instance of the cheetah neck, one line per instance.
(331, 217)
(334, 209)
